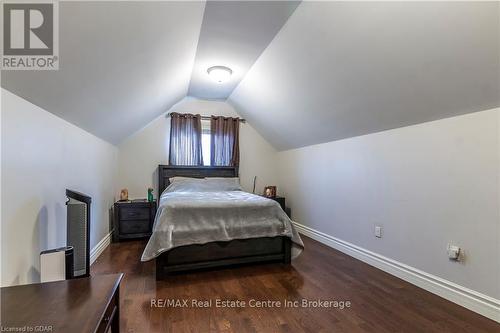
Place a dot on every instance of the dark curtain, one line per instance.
(224, 142)
(185, 139)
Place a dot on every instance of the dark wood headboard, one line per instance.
(168, 171)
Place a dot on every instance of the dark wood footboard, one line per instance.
(224, 254)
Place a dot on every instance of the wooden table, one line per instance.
(89, 304)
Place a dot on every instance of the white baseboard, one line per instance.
(470, 299)
(100, 247)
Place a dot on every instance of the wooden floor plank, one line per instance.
(380, 301)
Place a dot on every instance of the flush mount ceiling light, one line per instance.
(219, 74)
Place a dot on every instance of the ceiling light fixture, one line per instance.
(219, 74)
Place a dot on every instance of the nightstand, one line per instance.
(281, 201)
(133, 219)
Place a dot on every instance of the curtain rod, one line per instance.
(208, 118)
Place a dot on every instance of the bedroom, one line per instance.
(250, 166)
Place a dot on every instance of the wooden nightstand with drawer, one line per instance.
(281, 201)
(133, 219)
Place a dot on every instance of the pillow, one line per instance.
(224, 183)
(187, 185)
(178, 178)
(204, 185)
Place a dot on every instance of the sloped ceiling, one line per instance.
(321, 70)
(342, 69)
(121, 64)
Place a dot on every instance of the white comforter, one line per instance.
(186, 218)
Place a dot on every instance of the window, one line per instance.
(205, 141)
(191, 140)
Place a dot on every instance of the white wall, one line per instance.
(427, 185)
(42, 155)
(141, 153)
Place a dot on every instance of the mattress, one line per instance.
(199, 217)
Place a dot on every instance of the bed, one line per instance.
(195, 229)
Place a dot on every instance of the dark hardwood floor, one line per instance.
(379, 301)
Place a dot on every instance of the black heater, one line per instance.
(78, 231)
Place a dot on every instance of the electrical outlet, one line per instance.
(454, 252)
(378, 231)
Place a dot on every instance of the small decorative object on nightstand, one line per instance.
(133, 219)
(124, 194)
(150, 195)
(270, 191)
